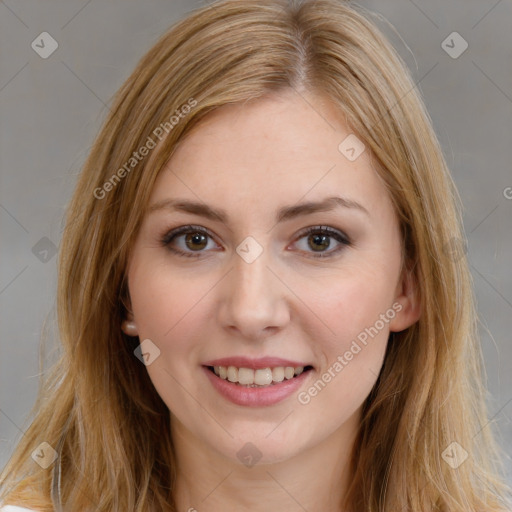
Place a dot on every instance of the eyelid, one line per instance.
(343, 240)
(326, 229)
(168, 235)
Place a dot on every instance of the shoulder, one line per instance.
(14, 508)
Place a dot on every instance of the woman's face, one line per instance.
(247, 287)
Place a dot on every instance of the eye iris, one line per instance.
(196, 238)
(320, 240)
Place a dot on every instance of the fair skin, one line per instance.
(250, 160)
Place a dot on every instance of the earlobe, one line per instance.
(129, 327)
(409, 300)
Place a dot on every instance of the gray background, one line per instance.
(52, 108)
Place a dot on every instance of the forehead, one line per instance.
(283, 148)
(269, 132)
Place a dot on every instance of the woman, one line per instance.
(257, 304)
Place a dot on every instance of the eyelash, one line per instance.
(325, 230)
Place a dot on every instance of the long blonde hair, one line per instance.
(97, 406)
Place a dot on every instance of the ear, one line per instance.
(128, 325)
(407, 295)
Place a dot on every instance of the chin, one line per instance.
(255, 449)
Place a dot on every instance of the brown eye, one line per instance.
(189, 241)
(320, 238)
(196, 241)
(319, 241)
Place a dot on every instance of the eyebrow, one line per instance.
(283, 214)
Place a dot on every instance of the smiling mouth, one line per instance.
(261, 378)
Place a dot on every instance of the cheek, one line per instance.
(170, 310)
(162, 298)
(355, 310)
(350, 302)
(352, 350)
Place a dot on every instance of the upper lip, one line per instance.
(255, 364)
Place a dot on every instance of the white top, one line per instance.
(14, 508)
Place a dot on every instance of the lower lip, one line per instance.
(256, 397)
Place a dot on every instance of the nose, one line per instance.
(254, 300)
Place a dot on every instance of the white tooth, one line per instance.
(278, 374)
(232, 374)
(299, 370)
(263, 377)
(289, 371)
(216, 370)
(246, 376)
(223, 372)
